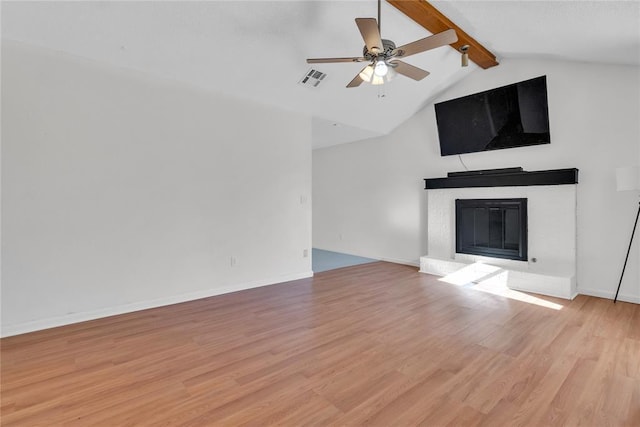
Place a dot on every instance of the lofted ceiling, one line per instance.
(257, 49)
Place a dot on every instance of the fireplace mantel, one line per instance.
(504, 178)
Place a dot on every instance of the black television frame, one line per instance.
(495, 118)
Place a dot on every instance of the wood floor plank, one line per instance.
(415, 404)
(570, 392)
(374, 344)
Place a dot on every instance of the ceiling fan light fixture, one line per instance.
(377, 80)
(367, 73)
(391, 74)
(381, 69)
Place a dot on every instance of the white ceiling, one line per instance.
(257, 50)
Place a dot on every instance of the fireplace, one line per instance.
(494, 228)
(546, 250)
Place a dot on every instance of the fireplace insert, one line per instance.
(492, 227)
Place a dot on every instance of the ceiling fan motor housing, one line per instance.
(387, 52)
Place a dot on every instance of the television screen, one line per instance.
(516, 115)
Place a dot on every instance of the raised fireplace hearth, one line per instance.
(492, 227)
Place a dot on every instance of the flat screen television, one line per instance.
(515, 115)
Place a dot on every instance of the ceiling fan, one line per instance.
(383, 55)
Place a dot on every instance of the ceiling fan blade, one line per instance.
(369, 29)
(329, 60)
(357, 80)
(409, 70)
(441, 39)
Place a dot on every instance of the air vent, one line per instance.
(313, 78)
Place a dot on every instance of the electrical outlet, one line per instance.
(340, 236)
(305, 253)
(233, 261)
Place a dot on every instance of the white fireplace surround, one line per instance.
(551, 268)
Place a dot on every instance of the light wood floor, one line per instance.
(377, 344)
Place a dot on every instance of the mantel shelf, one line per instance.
(514, 179)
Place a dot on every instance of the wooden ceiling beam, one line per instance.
(435, 22)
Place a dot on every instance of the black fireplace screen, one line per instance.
(492, 227)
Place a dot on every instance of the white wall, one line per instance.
(371, 192)
(121, 191)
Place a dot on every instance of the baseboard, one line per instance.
(52, 322)
(610, 295)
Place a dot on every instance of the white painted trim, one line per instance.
(610, 295)
(52, 322)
